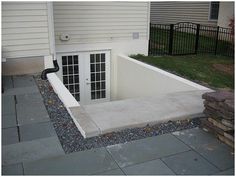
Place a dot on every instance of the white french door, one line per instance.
(87, 75)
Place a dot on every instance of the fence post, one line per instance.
(197, 38)
(217, 36)
(171, 39)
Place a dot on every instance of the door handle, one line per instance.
(88, 83)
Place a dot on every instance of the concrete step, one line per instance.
(112, 116)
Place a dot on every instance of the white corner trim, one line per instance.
(148, 19)
(51, 35)
(188, 82)
(48, 62)
(62, 92)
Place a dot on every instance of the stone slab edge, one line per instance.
(151, 123)
(84, 123)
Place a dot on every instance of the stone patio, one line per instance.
(30, 145)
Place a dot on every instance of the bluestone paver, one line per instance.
(14, 169)
(22, 90)
(189, 163)
(227, 172)
(79, 163)
(195, 137)
(37, 130)
(7, 82)
(146, 149)
(9, 120)
(8, 105)
(29, 98)
(154, 167)
(23, 81)
(116, 172)
(10, 136)
(31, 150)
(219, 154)
(31, 113)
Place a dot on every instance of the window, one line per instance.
(214, 10)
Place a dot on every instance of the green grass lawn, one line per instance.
(198, 68)
(184, 43)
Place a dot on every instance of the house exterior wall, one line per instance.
(18, 66)
(167, 12)
(89, 22)
(25, 37)
(100, 26)
(226, 12)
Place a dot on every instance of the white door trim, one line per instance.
(84, 73)
(107, 78)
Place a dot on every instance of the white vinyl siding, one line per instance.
(24, 29)
(91, 22)
(179, 11)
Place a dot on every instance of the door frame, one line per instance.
(84, 61)
(107, 77)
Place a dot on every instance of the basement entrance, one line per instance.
(86, 75)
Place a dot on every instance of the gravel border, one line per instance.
(72, 140)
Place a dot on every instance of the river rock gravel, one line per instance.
(72, 140)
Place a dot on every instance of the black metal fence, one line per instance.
(189, 38)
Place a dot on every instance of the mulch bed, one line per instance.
(72, 140)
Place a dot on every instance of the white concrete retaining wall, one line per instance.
(137, 79)
(63, 93)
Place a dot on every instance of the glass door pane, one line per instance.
(70, 74)
(98, 76)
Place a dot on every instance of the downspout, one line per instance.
(50, 70)
(51, 42)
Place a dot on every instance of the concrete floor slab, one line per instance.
(31, 150)
(155, 167)
(195, 137)
(79, 163)
(117, 115)
(15, 169)
(10, 136)
(219, 154)
(35, 131)
(146, 149)
(9, 120)
(23, 81)
(31, 113)
(189, 163)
